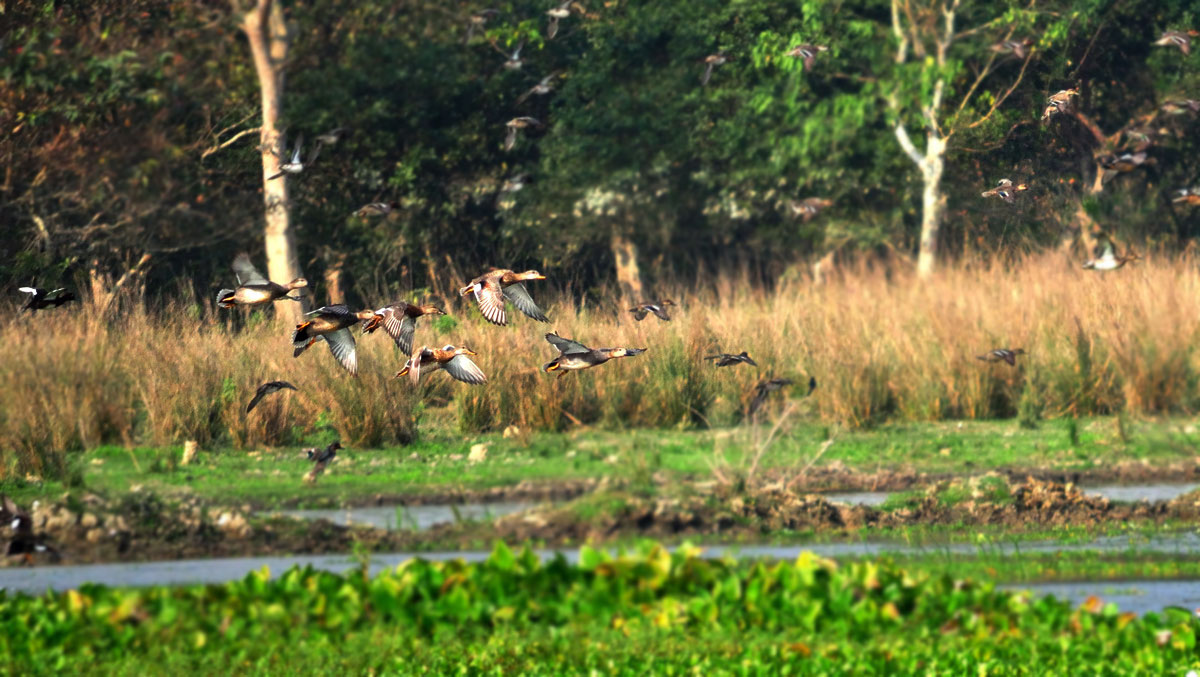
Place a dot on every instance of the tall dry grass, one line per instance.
(883, 346)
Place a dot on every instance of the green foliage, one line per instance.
(864, 616)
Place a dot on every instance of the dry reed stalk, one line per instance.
(882, 347)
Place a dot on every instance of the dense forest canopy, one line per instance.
(126, 134)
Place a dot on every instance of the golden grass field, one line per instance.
(882, 346)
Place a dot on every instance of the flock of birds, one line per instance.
(492, 291)
(497, 287)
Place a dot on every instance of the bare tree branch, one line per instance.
(230, 141)
(907, 145)
(997, 102)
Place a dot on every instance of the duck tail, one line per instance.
(225, 298)
(302, 334)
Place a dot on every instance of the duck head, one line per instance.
(297, 283)
(530, 275)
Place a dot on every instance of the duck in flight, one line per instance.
(266, 389)
(493, 287)
(399, 320)
(1008, 355)
(331, 324)
(807, 52)
(254, 289)
(727, 360)
(454, 361)
(1005, 190)
(40, 298)
(296, 165)
(659, 309)
(574, 356)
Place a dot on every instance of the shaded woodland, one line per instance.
(132, 130)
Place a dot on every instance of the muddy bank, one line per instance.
(986, 501)
(143, 526)
(834, 477)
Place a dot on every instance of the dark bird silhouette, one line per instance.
(1008, 355)
(23, 542)
(726, 360)
(320, 458)
(40, 298)
(767, 386)
(659, 309)
(266, 389)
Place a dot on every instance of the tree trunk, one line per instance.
(333, 283)
(932, 204)
(629, 278)
(269, 40)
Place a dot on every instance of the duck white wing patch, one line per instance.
(491, 303)
(341, 344)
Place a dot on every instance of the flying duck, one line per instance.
(807, 52)
(453, 361)
(1006, 354)
(498, 284)
(320, 458)
(254, 289)
(266, 389)
(1005, 190)
(516, 124)
(726, 360)
(331, 323)
(399, 320)
(295, 165)
(710, 62)
(1180, 39)
(808, 207)
(574, 355)
(659, 309)
(40, 298)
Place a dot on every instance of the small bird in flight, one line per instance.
(659, 309)
(1006, 354)
(266, 389)
(295, 165)
(1005, 190)
(710, 62)
(40, 298)
(726, 360)
(807, 52)
(515, 125)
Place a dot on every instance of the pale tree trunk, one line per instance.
(333, 282)
(629, 278)
(932, 162)
(269, 39)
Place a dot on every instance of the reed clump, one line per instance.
(882, 345)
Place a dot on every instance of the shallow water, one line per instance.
(1139, 597)
(1140, 492)
(416, 517)
(871, 498)
(182, 572)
